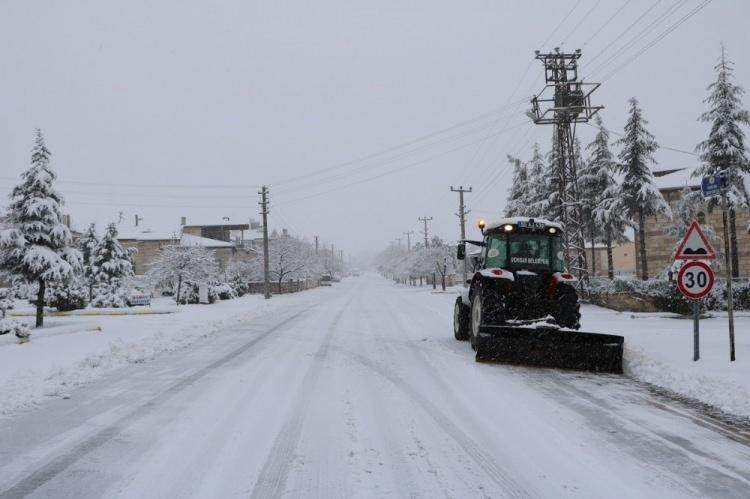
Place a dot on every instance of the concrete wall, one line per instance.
(659, 247)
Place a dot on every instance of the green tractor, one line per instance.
(521, 305)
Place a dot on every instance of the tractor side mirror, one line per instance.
(461, 251)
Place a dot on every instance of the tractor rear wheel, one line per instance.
(461, 320)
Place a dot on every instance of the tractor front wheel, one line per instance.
(567, 308)
(461, 320)
(486, 310)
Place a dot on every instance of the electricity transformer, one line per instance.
(564, 102)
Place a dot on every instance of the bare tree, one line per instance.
(177, 264)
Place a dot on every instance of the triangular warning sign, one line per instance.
(695, 245)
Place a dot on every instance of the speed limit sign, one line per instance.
(695, 279)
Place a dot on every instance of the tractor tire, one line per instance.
(487, 308)
(567, 308)
(461, 319)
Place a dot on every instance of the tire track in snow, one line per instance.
(33, 481)
(483, 459)
(273, 476)
(680, 460)
(486, 462)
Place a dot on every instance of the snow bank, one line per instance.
(659, 350)
(70, 351)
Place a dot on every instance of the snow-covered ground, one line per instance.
(360, 390)
(659, 350)
(80, 347)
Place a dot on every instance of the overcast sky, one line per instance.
(170, 108)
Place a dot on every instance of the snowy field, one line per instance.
(79, 347)
(358, 390)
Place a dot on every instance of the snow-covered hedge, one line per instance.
(112, 295)
(664, 295)
(12, 326)
(66, 296)
(223, 290)
(239, 285)
(6, 301)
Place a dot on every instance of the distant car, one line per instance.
(326, 280)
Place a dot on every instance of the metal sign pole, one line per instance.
(696, 330)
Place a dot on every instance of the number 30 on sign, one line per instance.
(695, 280)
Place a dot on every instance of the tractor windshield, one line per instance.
(524, 252)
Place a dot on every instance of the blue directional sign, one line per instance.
(713, 185)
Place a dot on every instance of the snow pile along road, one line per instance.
(75, 350)
(659, 350)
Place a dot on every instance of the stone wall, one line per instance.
(659, 247)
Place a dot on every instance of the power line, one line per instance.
(394, 170)
(623, 32)
(674, 149)
(650, 27)
(657, 39)
(369, 166)
(159, 186)
(606, 23)
(428, 136)
(580, 21)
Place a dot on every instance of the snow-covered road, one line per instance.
(364, 393)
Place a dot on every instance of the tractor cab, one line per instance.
(523, 245)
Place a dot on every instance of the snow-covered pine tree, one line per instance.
(553, 209)
(725, 147)
(518, 196)
(688, 208)
(640, 196)
(38, 247)
(539, 190)
(110, 263)
(594, 176)
(607, 213)
(87, 244)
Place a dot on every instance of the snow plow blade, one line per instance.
(551, 347)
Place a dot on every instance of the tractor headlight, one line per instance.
(552, 230)
(508, 228)
(482, 224)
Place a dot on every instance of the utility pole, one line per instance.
(137, 220)
(264, 212)
(333, 260)
(564, 102)
(399, 239)
(425, 219)
(408, 234)
(728, 253)
(462, 217)
(316, 245)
